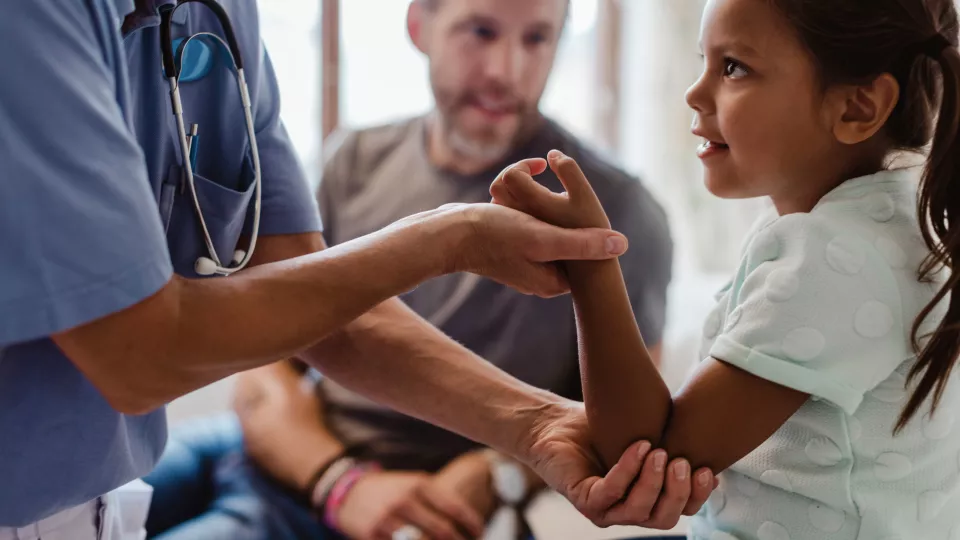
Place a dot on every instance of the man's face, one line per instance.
(489, 64)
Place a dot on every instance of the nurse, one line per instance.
(103, 319)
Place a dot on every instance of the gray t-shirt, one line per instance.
(374, 177)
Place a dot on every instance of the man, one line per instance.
(489, 64)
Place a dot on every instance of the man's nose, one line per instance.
(505, 61)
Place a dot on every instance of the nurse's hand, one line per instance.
(518, 250)
(643, 489)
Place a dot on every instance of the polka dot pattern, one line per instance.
(777, 479)
(717, 502)
(772, 531)
(891, 390)
(845, 255)
(873, 320)
(855, 428)
(747, 486)
(891, 467)
(940, 425)
(734, 318)
(766, 247)
(827, 305)
(803, 344)
(824, 452)
(930, 505)
(880, 207)
(781, 285)
(825, 518)
(893, 253)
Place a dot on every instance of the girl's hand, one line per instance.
(578, 207)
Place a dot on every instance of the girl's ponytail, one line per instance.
(939, 212)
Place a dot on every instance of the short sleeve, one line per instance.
(815, 308)
(288, 206)
(339, 157)
(80, 234)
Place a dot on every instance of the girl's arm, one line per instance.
(720, 415)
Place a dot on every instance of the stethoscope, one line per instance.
(172, 66)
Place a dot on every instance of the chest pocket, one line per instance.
(227, 213)
(223, 174)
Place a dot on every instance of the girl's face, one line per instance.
(760, 109)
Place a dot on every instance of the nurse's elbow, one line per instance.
(136, 388)
(125, 355)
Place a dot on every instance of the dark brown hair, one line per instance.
(855, 41)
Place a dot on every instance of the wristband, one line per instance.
(325, 478)
(340, 490)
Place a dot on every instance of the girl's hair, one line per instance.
(853, 42)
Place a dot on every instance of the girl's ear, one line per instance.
(862, 110)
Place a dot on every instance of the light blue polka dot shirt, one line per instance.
(824, 302)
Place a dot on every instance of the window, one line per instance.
(378, 48)
(290, 31)
(659, 62)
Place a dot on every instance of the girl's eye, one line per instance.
(733, 69)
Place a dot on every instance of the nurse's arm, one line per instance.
(194, 332)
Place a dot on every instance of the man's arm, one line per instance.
(283, 424)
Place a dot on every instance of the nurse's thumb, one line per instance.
(558, 244)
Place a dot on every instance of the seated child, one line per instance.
(826, 393)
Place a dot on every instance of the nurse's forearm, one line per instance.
(194, 332)
(414, 368)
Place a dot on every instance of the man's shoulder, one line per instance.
(370, 142)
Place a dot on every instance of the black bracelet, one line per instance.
(316, 476)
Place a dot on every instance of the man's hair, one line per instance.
(433, 5)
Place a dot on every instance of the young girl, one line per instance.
(827, 391)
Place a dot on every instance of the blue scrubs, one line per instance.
(92, 220)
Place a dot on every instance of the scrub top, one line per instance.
(93, 220)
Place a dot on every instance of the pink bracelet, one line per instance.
(340, 491)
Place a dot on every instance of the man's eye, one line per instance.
(536, 39)
(484, 33)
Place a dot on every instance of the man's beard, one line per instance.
(474, 147)
(486, 145)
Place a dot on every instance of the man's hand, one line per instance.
(383, 502)
(282, 422)
(514, 248)
(577, 207)
(469, 477)
(559, 451)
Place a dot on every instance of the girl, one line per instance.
(827, 391)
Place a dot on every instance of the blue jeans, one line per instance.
(205, 489)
